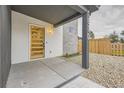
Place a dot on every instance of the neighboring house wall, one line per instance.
(21, 38)
(5, 44)
(70, 38)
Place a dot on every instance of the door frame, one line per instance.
(29, 41)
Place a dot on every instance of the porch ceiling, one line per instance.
(54, 14)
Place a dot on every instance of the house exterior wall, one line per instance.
(70, 38)
(21, 38)
(5, 44)
(0, 47)
(54, 43)
(80, 27)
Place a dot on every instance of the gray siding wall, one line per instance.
(5, 43)
(70, 38)
(0, 51)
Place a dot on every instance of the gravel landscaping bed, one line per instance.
(104, 69)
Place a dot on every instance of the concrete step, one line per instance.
(81, 82)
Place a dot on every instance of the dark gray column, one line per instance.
(85, 47)
(0, 51)
(5, 43)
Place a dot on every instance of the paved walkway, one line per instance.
(47, 73)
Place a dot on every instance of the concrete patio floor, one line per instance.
(46, 73)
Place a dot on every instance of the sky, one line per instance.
(106, 20)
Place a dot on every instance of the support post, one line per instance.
(85, 43)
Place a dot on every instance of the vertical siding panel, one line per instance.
(5, 42)
(0, 49)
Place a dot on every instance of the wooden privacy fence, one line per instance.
(103, 46)
(100, 46)
(117, 49)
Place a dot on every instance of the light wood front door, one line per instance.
(37, 42)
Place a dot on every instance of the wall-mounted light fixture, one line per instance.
(50, 29)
